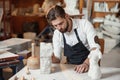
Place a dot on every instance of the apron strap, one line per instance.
(64, 39)
(75, 30)
(77, 35)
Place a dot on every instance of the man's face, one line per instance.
(60, 24)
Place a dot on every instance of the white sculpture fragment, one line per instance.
(46, 51)
(71, 7)
(94, 69)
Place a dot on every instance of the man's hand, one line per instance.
(82, 68)
(55, 60)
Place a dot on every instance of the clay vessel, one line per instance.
(33, 62)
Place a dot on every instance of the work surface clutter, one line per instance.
(65, 70)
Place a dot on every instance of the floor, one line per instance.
(110, 59)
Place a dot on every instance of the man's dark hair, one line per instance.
(55, 12)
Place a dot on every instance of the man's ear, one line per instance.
(66, 16)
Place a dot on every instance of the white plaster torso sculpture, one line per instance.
(47, 4)
(94, 70)
(71, 7)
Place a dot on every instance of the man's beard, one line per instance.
(66, 29)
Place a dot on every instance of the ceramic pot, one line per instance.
(33, 62)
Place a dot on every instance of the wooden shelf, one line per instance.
(25, 3)
(106, 0)
(105, 12)
(102, 14)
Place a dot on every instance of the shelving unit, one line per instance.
(95, 14)
(105, 21)
(5, 6)
(17, 21)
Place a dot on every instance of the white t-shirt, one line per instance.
(86, 34)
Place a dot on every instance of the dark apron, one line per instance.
(77, 53)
